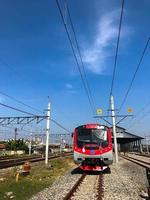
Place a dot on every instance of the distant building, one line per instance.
(2, 149)
(127, 141)
(2, 146)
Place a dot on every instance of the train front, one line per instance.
(92, 147)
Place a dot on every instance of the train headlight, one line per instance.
(83, 150)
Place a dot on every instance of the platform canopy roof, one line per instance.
(125, 137)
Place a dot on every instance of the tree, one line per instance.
(17, 145)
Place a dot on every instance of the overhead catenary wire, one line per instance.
(90, 98)
(22, 111)
(53, 120)
(27, 106)
(117, 48)
(134, 75)
(17, 109)
(116, 54)
(79, 52)
(139, 120)
(61, 126)
(20, 129)
(19, 75)
(18, 101)
(74, 54)
(11, 68)
(132, 121)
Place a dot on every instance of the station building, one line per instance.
(127, 141)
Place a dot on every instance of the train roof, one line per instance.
(92, 125)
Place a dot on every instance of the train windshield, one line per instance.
(91, 136)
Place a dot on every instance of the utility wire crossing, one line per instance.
(117, 48)
(79, 52)
(74, 54)
(134, 75)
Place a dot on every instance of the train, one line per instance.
(92, 147)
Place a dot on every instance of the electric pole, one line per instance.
(147, 144)
(113, 124)
(15, 139)
(114, 127)
(30, 143)
(47, 132)
(15, 134)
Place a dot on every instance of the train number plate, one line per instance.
(92, 152)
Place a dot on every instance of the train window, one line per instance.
(99, 134)
(86, 136)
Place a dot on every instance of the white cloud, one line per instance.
(68, 86)
(95, 56)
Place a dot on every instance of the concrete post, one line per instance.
(47, 133)
(114, 127)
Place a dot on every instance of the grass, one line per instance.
(39, 178)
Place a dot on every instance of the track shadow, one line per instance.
(144, 197)
(77, 170)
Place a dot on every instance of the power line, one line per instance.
(19, 75)
(132, 121)
(79, 69)
(78, 48)
(58, 124)
(25, 105)
(116, 55)
(22, 111)
(11, 68)
(117, 48)
(53, 120)
(20, 129)
(133, 78)
(18, 101)
(19, 110)
(139, 120)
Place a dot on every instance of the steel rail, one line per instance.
(137, 161)
(20, 162)
(6, 160)
(74, 188)
(100, 188)
(145, 162)
(142, 154)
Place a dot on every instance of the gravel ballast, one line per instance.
(126, 181)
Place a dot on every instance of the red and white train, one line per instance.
(92, 147)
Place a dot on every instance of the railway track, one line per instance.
(142, 163)
(19, 161)
(92, 188)
(141, 154)
(6, 160)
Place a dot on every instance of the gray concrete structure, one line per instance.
(127, 141)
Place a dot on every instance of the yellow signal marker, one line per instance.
(99, 111)
(130, 110)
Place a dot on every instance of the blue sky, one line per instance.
(36, 60)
